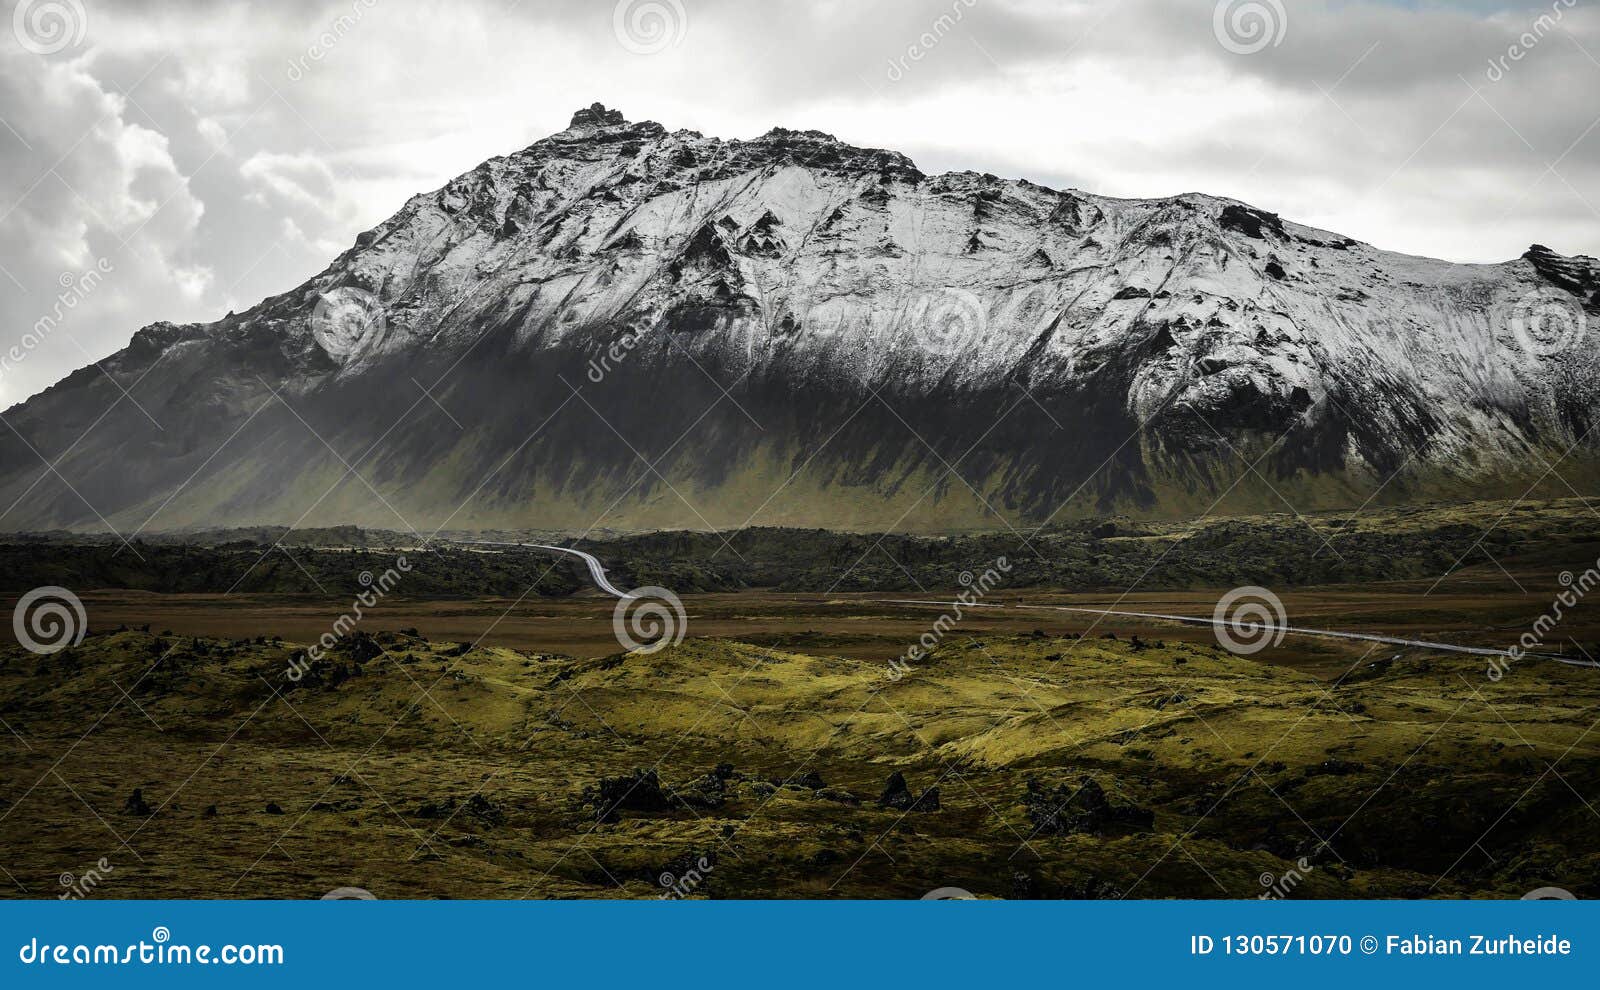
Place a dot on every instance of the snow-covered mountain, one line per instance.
(625, 327)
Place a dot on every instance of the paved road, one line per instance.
(1479, 651)
(596, 569)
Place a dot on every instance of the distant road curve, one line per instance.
(596, 569)
(1478, 651)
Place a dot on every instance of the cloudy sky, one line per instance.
(206, 154)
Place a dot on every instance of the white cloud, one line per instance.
(300, 179)
(215, 135)
(89, 184)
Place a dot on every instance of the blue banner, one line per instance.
(798, 944)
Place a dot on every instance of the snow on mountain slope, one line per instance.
(627, 327)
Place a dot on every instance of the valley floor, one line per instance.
(776, 752)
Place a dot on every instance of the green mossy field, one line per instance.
(502, 747)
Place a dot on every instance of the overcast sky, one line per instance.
(207, 154)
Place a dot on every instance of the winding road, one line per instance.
(596, 569)
(1478, 651)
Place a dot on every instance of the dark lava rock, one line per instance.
(1250, 222)
(210, 812)
(434, 810)
(1132, 292)
(273, 809)
(135, 805)
(708, 791)
(1576, 274)
(1276, 271)
(638, 791)
(596, 115)
(1023, 886)
(896, 794)
(477, 806)
(838, 795)
(810, 781)
(1162, 340)
(361, 647)
(484, 810)
(928, 801)
(1069, 809)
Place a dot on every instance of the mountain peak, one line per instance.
(596, 115)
